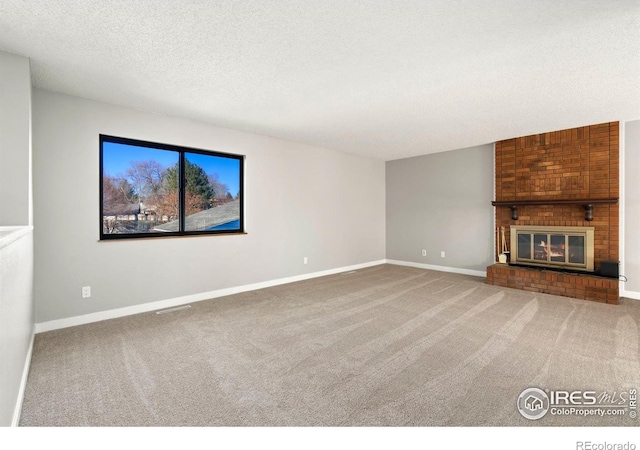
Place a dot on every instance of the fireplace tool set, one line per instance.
(501, 241)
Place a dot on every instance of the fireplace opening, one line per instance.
(554, 247)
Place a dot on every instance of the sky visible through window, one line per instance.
(118, 158)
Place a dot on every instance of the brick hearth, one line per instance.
(577, 163)
(586, 287)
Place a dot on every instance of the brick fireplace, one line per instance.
(561, 179)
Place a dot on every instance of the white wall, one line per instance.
(16, 243)
(16, 318)
(442, 202)
(300, 201)
(631, 261)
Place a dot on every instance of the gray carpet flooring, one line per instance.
(382, 346)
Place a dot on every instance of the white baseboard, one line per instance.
(172, 302)
(23, 383)
(630, 294)
(475, 273)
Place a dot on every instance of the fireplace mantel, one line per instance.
(586, 202)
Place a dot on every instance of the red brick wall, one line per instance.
(577, 163)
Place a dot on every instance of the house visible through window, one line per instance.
(156, 190)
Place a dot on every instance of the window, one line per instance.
(158, 190)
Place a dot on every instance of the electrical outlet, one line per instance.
(442, 254)
(305, 260)
(424, 253)
(86, 291)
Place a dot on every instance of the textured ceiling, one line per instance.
(387, 79)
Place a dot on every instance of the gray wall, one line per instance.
(16, 259)
(631, 262)
(442, 202)
(15, 140)
(300, 201)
